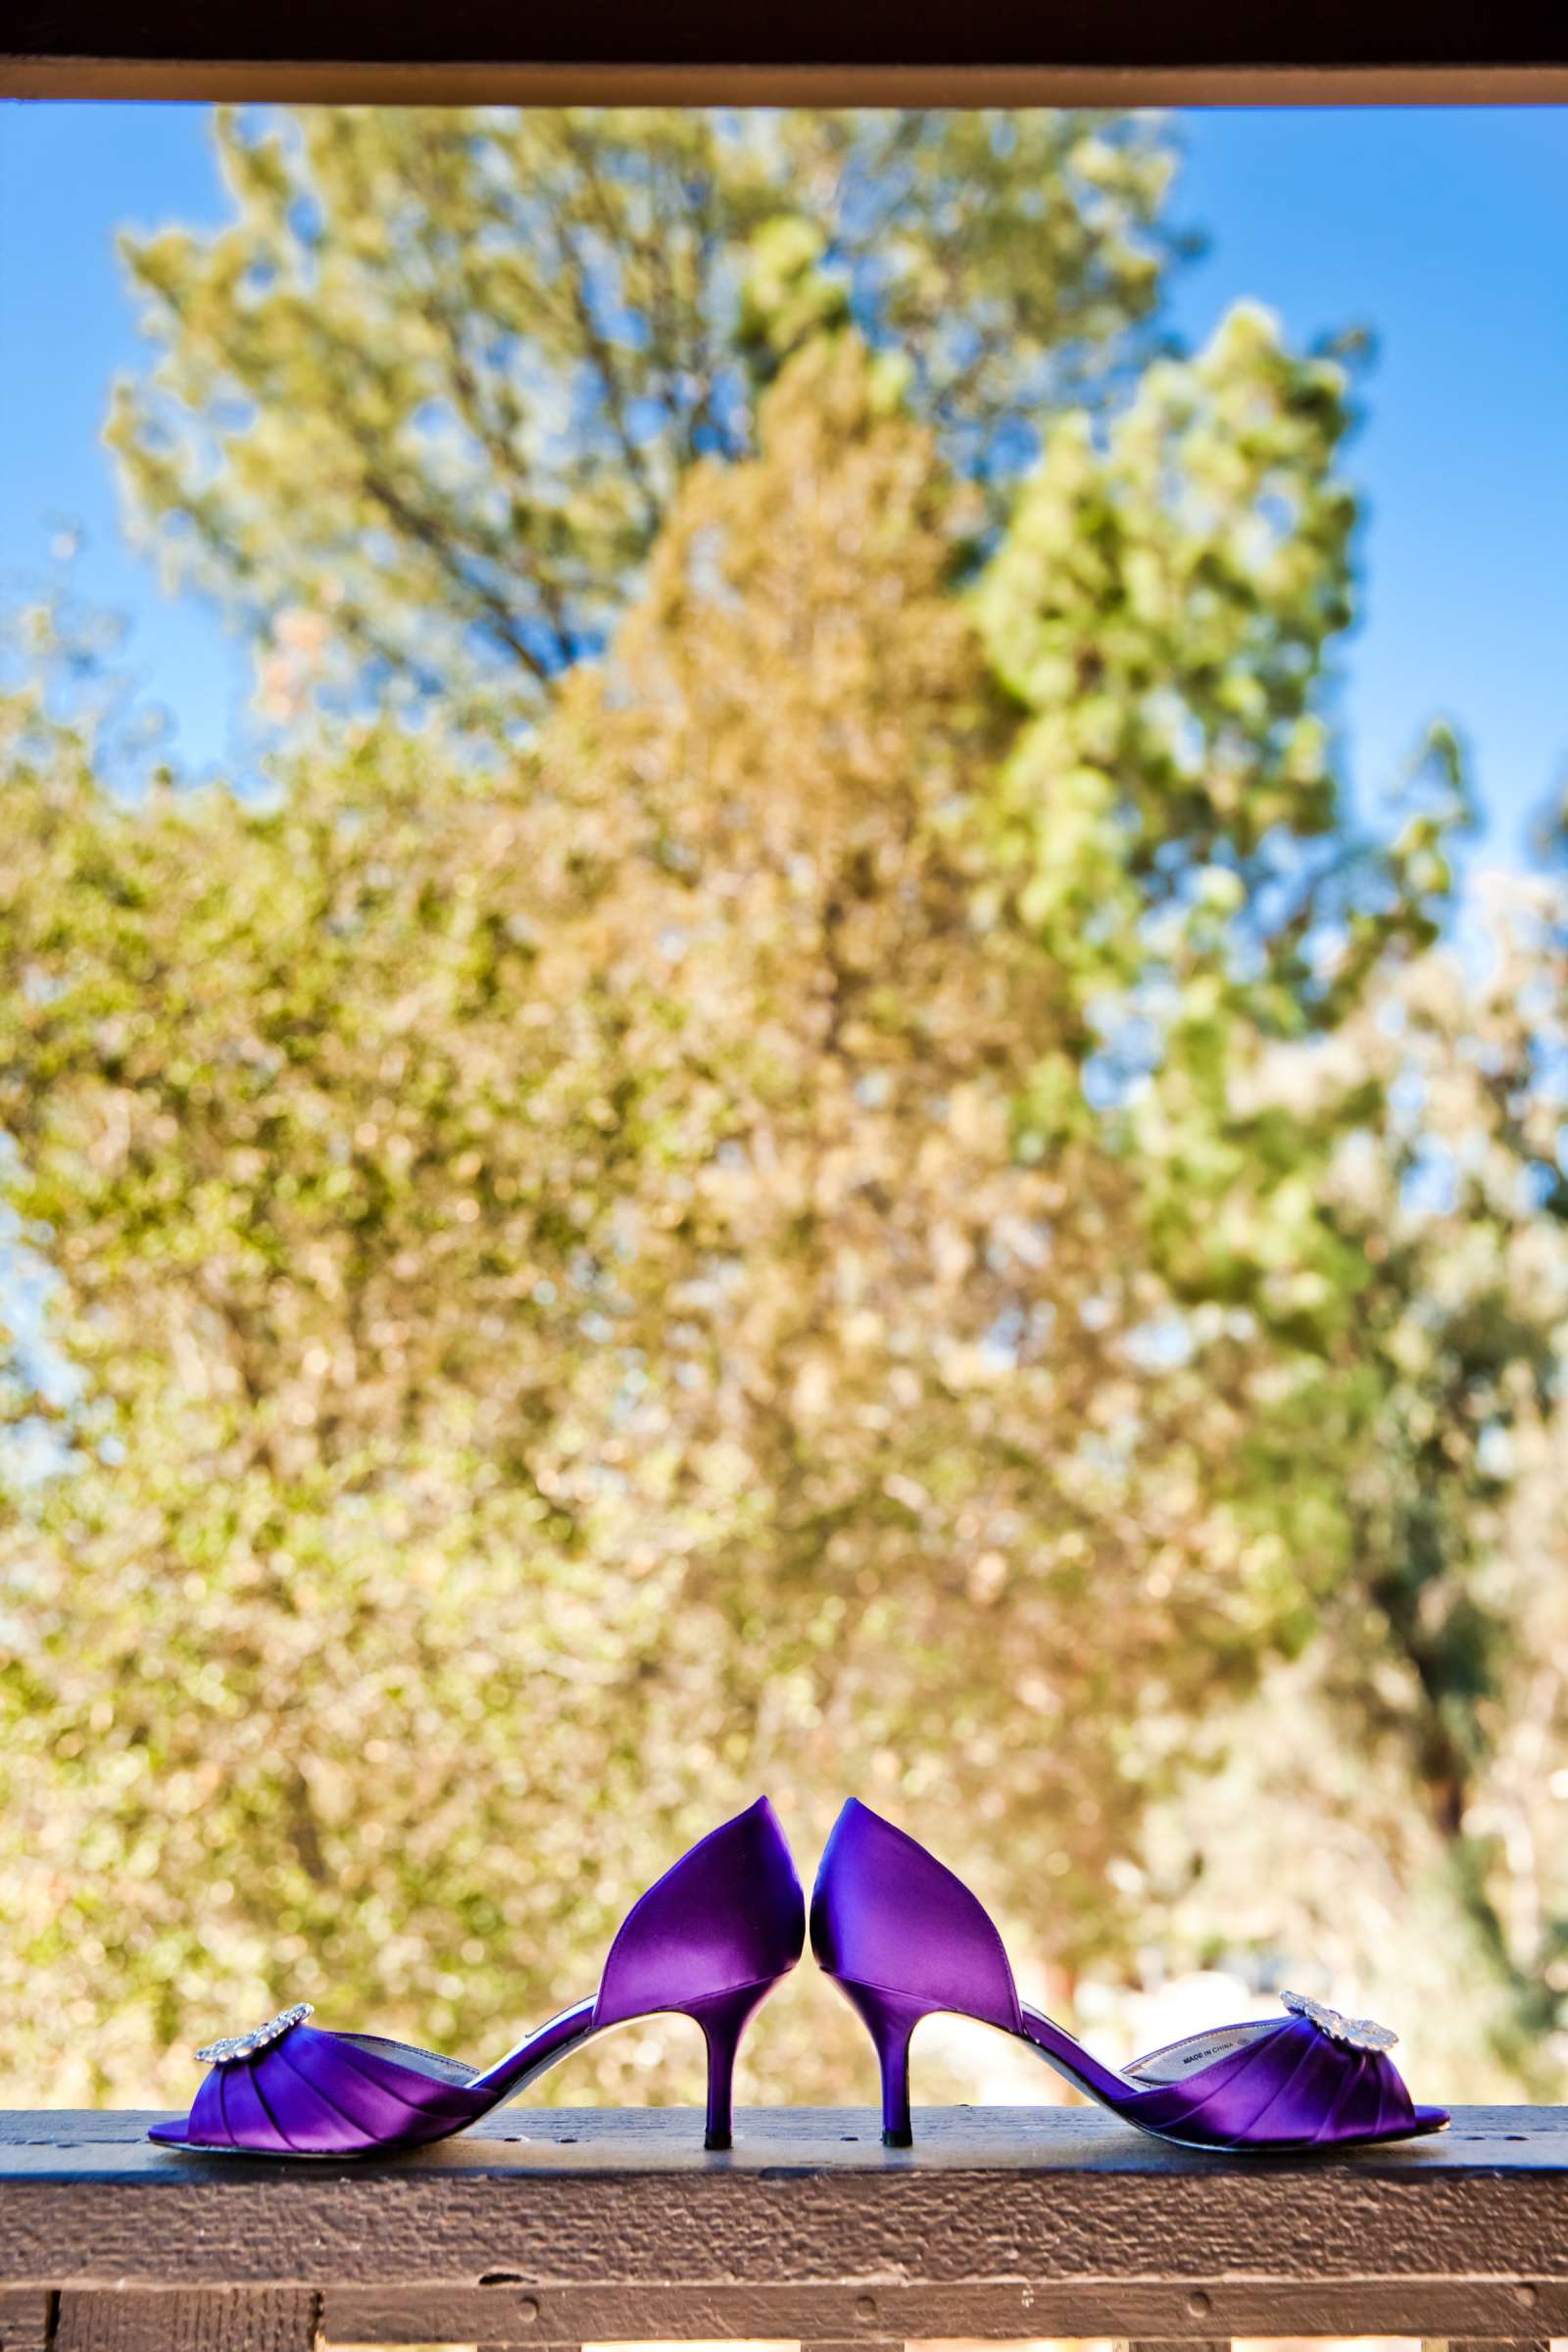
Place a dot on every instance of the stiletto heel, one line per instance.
(723, 2019)
(708, 1940)
(902, 1937)
(890, 2020)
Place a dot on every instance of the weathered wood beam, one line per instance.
(25, 2315)
(1163, 2343)
(562, 2228)
(208, 2319)
(1486, 2343)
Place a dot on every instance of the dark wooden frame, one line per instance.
(38, 74)
(558, 2228)
(810, 52)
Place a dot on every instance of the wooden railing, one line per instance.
(560, 2229)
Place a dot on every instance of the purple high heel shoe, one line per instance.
(709, 1941)
(902, 1937)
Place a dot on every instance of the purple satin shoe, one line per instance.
(710, 1942)
(902, 1937)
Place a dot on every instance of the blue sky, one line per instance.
(1444, 231)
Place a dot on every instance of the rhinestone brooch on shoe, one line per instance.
(246, 2045)
(1352, 2033)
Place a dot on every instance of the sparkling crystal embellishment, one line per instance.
(1352, 2033)
(246, 2045)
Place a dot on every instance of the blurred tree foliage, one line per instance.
(663, 1212)
(441, 374)
(895, 1199)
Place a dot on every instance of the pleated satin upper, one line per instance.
(1290, 2085)
(729, 1915)
(321, 2094)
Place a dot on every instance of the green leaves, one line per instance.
(429, 397)
(1162, 607)
(886, 1193)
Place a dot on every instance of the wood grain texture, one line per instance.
(709, 2311)
(560, 2227)
(833, 2344)
(1486, 2344)
(1160, 2343)
(359, 82)
(198, 2320)
(23, 2320)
